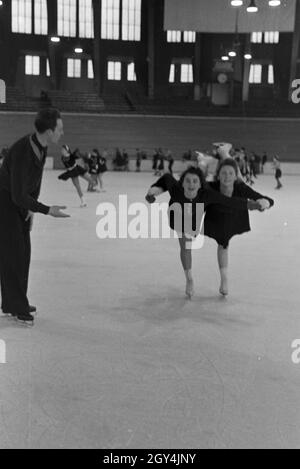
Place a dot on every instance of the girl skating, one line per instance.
(74, 171)
(222, 224)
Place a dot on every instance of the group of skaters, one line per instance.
(92, 167)
(249, 165)
(120, 161)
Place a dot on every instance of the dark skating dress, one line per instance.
(102, 168)
(97, 165)
(223, 223)
(73, 169)
(195, 208)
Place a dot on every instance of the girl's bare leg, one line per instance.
(100, 181)
(79, 191)
(186, 261)
(223, 266)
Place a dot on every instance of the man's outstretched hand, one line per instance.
(56, 211)
(253, 205)
(150, 198)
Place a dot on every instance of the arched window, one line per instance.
(74, 68)
(255, 75)
(110, 19)
(66, 18)
(121, 19)
(32, 65)
(131, 20)
(21, 16)
(86, 19)
(40, 17)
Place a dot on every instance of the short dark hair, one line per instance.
(95, 152)
(195, 171)
(228, 162)
(46, 119)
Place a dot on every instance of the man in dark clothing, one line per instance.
(20, 184)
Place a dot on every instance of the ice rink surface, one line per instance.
(118, 358)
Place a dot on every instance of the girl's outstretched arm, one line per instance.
(165, 183)
(264, 201)
(152, 193)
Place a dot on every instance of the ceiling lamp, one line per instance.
(55, 39)
(236, 3)
(252, 8)
(225, 58)
(78, 50)
(274, 3)
(248, 56)
(232, 53)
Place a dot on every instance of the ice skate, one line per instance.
(223, 290)
(189, 290)
(26, 319)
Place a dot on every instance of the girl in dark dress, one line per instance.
(223, 223)
(100, 167)
(74, 171)
(190, 198)
(278, 172)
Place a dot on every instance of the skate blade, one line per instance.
(223, 294)
(25, 323)
(189, 296)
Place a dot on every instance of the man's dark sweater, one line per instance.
(21, 174)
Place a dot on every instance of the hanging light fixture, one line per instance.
(248, 56)
(55, 39)
(274, 3)
(78, 50)
(237, 3)
(252, 8)
(232, 53)
(225, 58)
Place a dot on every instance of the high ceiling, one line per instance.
(218, 16)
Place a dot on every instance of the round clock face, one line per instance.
(222, 78)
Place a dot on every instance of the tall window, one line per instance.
(66, 18)
(40, 17)
(272, 37)
(74, 68)
(173, 36)
(186, 73)
(255, 75)
(131, 20)
(172, 74)
(270, 75)
(21, 15)
(131, 76)
(256, 37)
(32, 65)
(114, 70)
(110, 19)
(90, 69)
(189, 36)
(86, 19)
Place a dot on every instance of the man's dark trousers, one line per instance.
(15, 252)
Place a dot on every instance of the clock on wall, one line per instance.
(222, 78)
